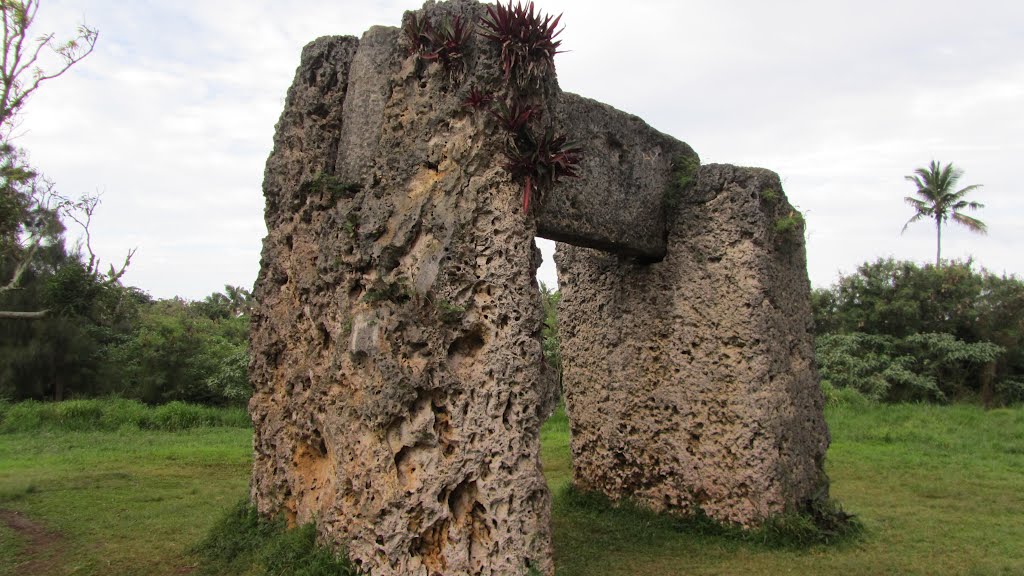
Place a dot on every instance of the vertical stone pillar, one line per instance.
(690, 383)
(398, 370)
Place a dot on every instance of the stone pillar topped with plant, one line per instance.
(397, 363)
(396, 339)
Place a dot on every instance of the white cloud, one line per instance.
(173, 116)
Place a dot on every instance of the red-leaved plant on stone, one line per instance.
(477, 99)
(446, 45)
(526, 37)
(540, 162)
(418, 34)
(514, 117)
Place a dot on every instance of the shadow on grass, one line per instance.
(589, 525)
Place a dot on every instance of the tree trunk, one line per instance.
(58, 387)
(938, 242)
(988, 375)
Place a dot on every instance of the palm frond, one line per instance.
(917, 217)
(917, 204)
(972, 224)
(965, 205)
(963, 191)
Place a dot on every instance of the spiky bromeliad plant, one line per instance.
(526, 37)
(539, 162)
(477, 99)
(446, 44)
(418, 34)
(514, 117)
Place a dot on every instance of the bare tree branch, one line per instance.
(18, 62)
(81, 213)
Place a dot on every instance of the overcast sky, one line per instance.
(172, 117)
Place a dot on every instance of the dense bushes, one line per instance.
(102, 339)
(176, 353)
(895, 331)
(114, 414)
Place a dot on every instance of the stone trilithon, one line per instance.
(396, 357)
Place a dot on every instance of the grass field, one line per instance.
(940, 490)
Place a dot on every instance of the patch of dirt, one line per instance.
(43, 547)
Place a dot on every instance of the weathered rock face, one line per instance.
(397, 366)
(691, 382)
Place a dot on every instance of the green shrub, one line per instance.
(23, 417)
(873, 366)
(243, 542)
(919, 367)
(961, 329)
(1010, 390)
(835, 397)
(123, 413)
(175, 416)
(78, 414)
(790, 225)
(113, 414)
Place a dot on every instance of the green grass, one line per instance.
(126, 502)
(939, 489)
(11, 544)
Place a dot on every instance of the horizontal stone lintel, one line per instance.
(628, 174)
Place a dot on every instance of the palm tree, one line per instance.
(239, 300)
(936, 199)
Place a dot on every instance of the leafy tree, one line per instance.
(177, 353)
(921, 367)
(873, 365)
(64, 353)
(938, 199)
(550, 330)
(234, 302)
(30, 209)
(898, 331)
(180, 350)
(240, 300)
(899, 298)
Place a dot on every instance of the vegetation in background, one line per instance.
(896, 331)
(114, 414)
(549, 332)
(105, 339)
(32, 212)
(938, 199)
